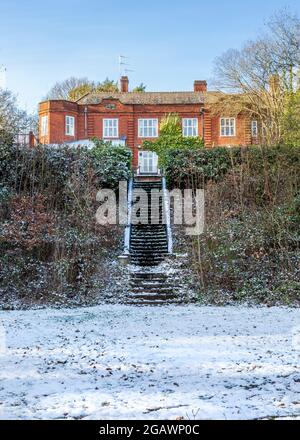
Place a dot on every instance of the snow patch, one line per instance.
(2, 338)
(116, 361)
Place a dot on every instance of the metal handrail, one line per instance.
(129, 215)
(167, 215)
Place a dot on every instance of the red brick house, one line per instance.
(130, 118)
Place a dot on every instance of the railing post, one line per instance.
(129, 212)
(167, 214)
(31, 139)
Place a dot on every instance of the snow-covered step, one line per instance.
(145, 251)
(141, 286)
(148, 239)
(154, 303)
(140, 260)
(146, 235)
(146, 263)
(150, 287)
(158, 227)
(152, 256)
(142, 245)
(145, 276)
(153, 296)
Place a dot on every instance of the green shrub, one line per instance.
(5, 194)
(111, 164)
(51, 248)
(294, 212)
(171, 138)
(185, 166)
(54, 171)
(251, 257)
(250, 247)
(171, 126)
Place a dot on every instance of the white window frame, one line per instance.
(44, 125)
(254, 129)
(147, 130)
(227, 126)
(70, 126)
(110, 128)
(190, 127)
(148, 162)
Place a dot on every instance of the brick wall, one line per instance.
(57, 112)
(89, 122)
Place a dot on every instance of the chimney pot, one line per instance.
(200, 86)
(124, 84)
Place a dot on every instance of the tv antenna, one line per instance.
(128, 70)
(2, 76)
(123, 65)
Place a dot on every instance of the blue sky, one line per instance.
(170, 43)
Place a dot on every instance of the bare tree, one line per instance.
(284, 28)
(261, 74)
(62, 89)
(13, 121)
(73, 88)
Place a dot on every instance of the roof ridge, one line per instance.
(139, 93)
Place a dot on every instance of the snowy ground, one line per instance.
(155, 363)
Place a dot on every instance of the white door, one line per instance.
(148, 161)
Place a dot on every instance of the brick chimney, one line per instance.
(124, 84)
(200, 86)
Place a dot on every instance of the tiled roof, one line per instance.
(145, 98)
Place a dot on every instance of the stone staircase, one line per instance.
(148, 242)
(148, 288)
(148, 248)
